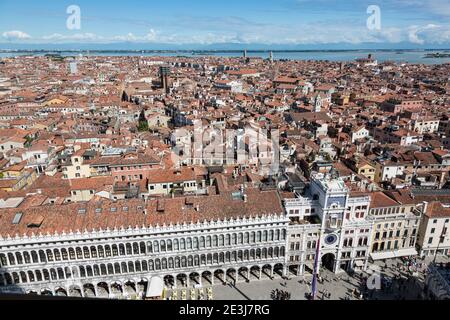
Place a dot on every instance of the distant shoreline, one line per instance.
(211, 51)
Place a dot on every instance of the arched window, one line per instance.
(103, 269)
(155, 246)
(234, 256)
(277, 234)
(163, 245)
(246, 237)
(49, 255)
(60, 273)
(135, 248)
(34, 257)
(149, 247)
(23, 277)
(68, 272)
(252, 237)
(258, 253)
(144, 266)
(202, 242)
(190, 261)
(258, 236)
(176, 245)
(117, 268)
(108, 250)
(93, 252)
(8, 279)
(170, 263)
(264, 235)
(228, 240)
(38, 275)
(15, 277)
(164, 263)
(19, 258)
(195, 243)
(188, 244)
(240, 238)
(221, 240)
(157, 264)
(246, 255)
(79, 253)
(215, 241)
(129, 250)
(30, 276)
(96, 270)
(26, 257)
(234, 239)
(183, 262)
(169, 245)
(71, 254)
(196, 260)
(151, 266)
(130, 267)
(54, 276)
(123, 267)
(115, 250)
(101, 252)
(57, 255)
(3, 260)
(271, 235)
(86, 252)
(142, 247)
(111, 268)
(137, 266)
(64, 254)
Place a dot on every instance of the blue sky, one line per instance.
(422, 22)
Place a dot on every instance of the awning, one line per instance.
(393, 254)
(359, 263)
(155, 288)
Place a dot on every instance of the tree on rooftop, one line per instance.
(142, 123)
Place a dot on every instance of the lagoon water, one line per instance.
(401, 56)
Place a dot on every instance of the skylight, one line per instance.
(17, 218)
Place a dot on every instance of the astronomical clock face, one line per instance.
(331, 239)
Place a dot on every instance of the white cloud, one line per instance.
(152, 35)
(305, 33)
(57, 37)
(431, 33)
(129, 37)
(15, 35)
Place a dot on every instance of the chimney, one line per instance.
(160, 205)
(425, 207)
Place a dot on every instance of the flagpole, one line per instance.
(316, 267)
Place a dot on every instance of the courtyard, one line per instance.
(398, 281)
